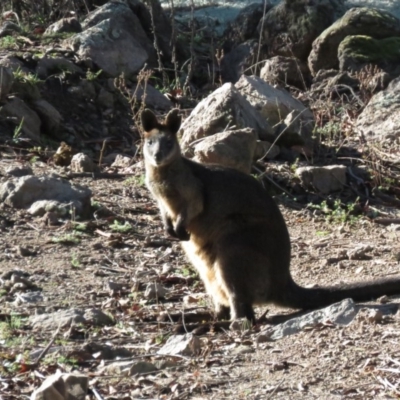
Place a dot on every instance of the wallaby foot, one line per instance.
(242, 310)
(223, 312)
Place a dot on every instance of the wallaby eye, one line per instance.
(149, 142)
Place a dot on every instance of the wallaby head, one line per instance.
(161, 145)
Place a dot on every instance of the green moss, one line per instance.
(367, 49)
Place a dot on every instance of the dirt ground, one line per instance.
(73, 264)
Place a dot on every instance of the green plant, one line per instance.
(75, 262)
(68, 238)
(30, 78)
(92, 76)
(337, 212)
(8, 42)
(18, 131)
(117, 226)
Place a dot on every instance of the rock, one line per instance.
(28, 298)
(21, 114)
(155, 291)
(49, 115)
(23, 191)
(187, 345)
(242, 59)
(71, 317)
(19, 171)
(13, 63)
(328, 80)
(266, 150)
(285, 71)
(223, 109)
(122, 161)
(7, 28)
(244, 26)
(25, 90)
(105, 99)
(380, 119)
(62, 387)
(323, 179)
(290, 28)
(129, 368)
(359, 252)
(41, 207)
(155, 22)
(48, 66)
(342, 313)
(64, 25)
(232, 148)
(81, 162)
(355, 52)
(114, 40)
(6, 81)
(357, 21)
(275, 104)
(152, 98)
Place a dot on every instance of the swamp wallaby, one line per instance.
(232, 230)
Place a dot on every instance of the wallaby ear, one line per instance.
(149, 120)
(173, 120)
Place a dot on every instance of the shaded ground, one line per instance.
(361, 361)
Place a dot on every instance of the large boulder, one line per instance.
(275, 105)
(290, 28)
(380, 119)
(355, 52)
(114, 40)
(357, 21)
(232, 148)
(223, 109)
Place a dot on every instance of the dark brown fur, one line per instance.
(232, 231)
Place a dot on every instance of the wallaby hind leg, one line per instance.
(222, 312)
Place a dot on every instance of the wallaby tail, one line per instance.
(296, 296)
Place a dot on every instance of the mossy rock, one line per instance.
(355, 51)
(357, 21)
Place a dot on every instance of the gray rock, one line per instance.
(105, 99)
(152, 98)
(19, 171)
(24, 191)
(232, 148)
(223, 109)
(13, 63)
(6, 81)
(275, 104)
(25, 90)
(342, 313)
(129, 368)
(121, 161)
(28, 298)
(357, 21)
(188, 345)
(380, 119)
(49, 115)
(81, 162)
(155, 291)
(48, 66)
(18, 111)
(284, 71)
(242, 59)
(323, 179)
(114, 40)
(290, 28)
(41, 207)
(7, 28)
(70, 317)
(64, 25)
(62, 387)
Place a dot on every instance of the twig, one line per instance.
(46, 349)
(276, 388)
(96, 394)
